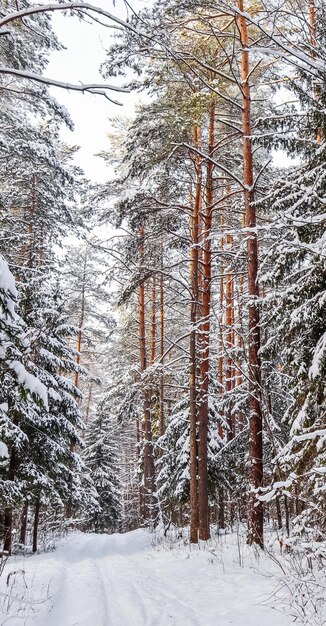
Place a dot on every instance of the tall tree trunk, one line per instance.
(153, 323)
(220, 328)
(32, 222)
(239, 377)
(41, 248)
(7, 534)
(162, 426)
(255, 532)
(23, 524)
(229, 339)
(36, 524)
(204, 532)
(220, 380)
(81, 318)
(149, 509)
(194, 221)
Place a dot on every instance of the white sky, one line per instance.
(86, 44)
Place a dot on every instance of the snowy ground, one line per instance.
(136, 579)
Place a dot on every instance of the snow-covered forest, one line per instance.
(163, 335)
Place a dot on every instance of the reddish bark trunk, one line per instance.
(162, 345)
(229, 340)
(194, 221)
(204, 532)
(255, 534)
(220, 329)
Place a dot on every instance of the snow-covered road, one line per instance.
(123, 580)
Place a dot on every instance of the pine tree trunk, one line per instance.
(194, 221)
(220, 329)
(255, 532)
(31, 222)
(8, 512)
(228, 340)
(221, 508)
(278, 513)
(23, 524)
(239, 377)
(204, 532)
(7, 535)
(149, 508)
(81, 319)
(153, 323)
(88, 405)
(162, 425)
(41, 248)
(36, 524)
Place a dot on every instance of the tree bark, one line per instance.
(204, 531)
(7, 535)
(162, 426)
(220, 329)
(229, 340)
(81, 319)
(255, 531)
(194, 221)
(149, 508)
(36, 524)
(23, 524)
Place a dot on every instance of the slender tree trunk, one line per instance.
(150, 509)
(41, 248)
(220, 329)
(239, 377)
(228, 340)
(313, 43)
(7, 534)
(31, 221)
(194, 221)
(221, 490)
(153, 323)
(204, 532)
(88, 405)
(162, 426)
(36, 524)
(255, 533)
(81, 318)
(278, 513)
(23, 524)
(221, 508)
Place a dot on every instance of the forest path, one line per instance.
(123, 580)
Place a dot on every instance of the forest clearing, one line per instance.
(163, 319)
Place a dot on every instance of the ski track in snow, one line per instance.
(122, 580)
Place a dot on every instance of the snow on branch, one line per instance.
(84, 8)
(94, 88)
(288, 52)
(46, 8)
(30, 382)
